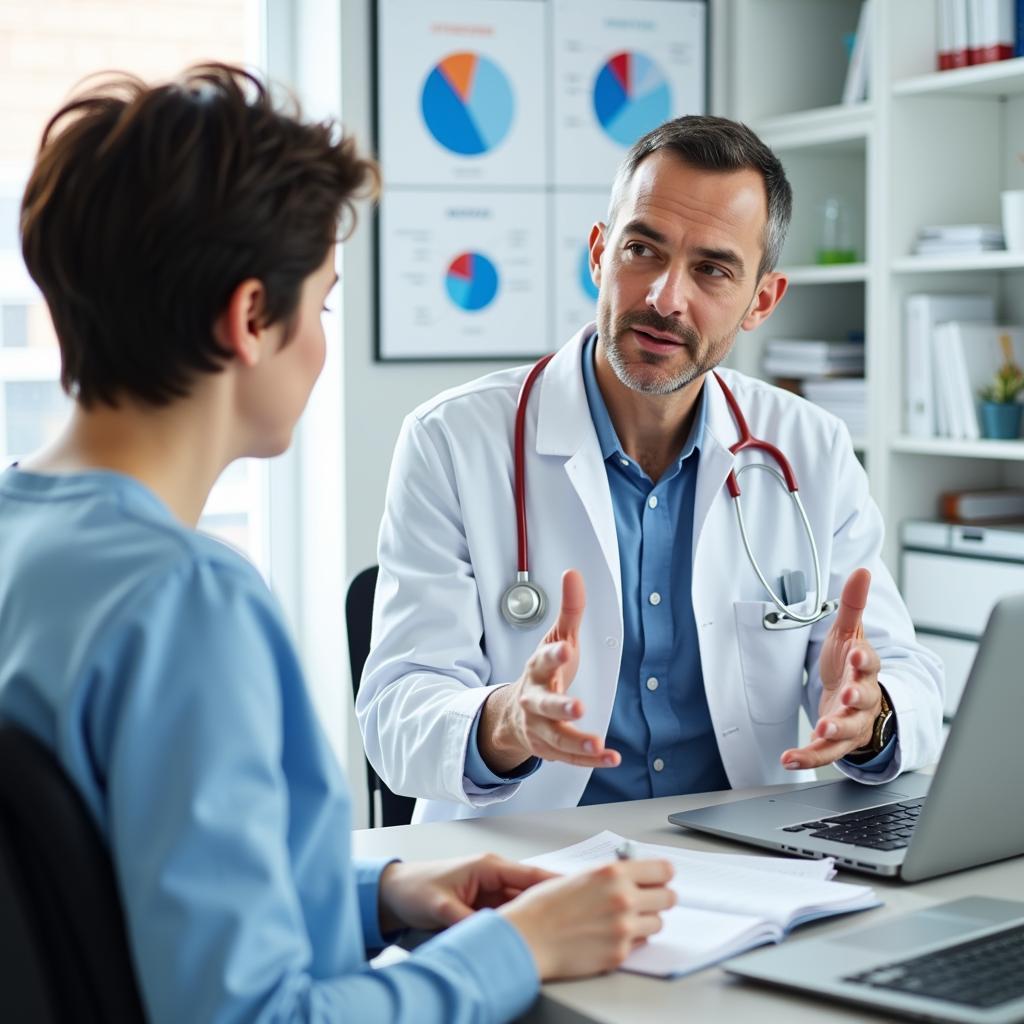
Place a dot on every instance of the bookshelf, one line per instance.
(927, 147)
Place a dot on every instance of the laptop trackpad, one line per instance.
(839, 797)
(910, 932)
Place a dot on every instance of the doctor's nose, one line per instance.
(667, 295)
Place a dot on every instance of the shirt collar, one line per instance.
(606, 435)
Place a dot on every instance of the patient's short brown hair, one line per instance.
(148, 206)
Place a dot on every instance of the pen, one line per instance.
(625, 850)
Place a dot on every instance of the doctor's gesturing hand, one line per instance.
(851, 697)
(530, 717)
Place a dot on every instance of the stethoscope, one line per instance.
(524, 603)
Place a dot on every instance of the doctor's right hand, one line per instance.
(588, 923)
(530, 717)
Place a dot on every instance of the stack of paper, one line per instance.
(958, 239)
(803, 359)
(847, 399)
(728, 903)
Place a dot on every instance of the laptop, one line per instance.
(958, 961)
(916, 826)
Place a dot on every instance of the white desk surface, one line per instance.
(709, 995)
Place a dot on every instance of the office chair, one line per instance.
(395, 809)
(63, 950)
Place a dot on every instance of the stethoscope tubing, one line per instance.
(784, 616)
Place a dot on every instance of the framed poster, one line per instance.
(500, 125)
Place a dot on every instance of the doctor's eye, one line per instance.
(710, 270)
(639, 249)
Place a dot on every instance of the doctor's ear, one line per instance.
(596, 245)
(240, 328)
(769, 293)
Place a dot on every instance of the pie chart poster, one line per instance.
(621, 68)
(466, 275)
(462, 90)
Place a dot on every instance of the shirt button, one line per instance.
(652, 684)
(655, 598)
(624, 462)
(610, 641)
(659, 765)
(652, 501)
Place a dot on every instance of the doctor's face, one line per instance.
(677, 271)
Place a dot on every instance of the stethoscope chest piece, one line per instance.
(523, 604)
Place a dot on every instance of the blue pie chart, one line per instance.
(631, 96)
(472, 281)
(467, 104)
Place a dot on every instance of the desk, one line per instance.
(710, 995)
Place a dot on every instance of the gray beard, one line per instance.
(665, 386)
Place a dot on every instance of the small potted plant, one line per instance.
(1000, 410)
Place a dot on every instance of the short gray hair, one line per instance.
(717, 144)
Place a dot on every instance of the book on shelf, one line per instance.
(922, 312)
(967, 356)
(951, 18)
(858, 70)
(727, 903)
(1001, 505)
(990, 35)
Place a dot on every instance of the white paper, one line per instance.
(726, 905)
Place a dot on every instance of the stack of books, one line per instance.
(847, 399)
(958, 239)
(807, 359)
(977, 32)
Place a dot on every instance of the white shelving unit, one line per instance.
(927, 147)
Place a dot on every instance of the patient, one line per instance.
(184, 239)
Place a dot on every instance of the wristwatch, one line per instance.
(883, 731)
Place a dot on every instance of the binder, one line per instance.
(922, 313)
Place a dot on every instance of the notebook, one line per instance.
(728, 903)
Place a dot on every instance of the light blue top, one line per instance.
(155, 664)
(660, 720)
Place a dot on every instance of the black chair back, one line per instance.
(63, 949)
(395, 809)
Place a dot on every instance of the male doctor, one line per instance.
(660, 677)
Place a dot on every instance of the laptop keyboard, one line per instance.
(888, 827)
(983, 972)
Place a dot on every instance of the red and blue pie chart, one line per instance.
(467, 104)
(472, 281)
(631, 96)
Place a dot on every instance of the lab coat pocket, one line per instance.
(772, 663)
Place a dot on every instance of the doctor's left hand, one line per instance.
(850, 697)
(436, 894)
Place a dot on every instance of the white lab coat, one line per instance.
(448, 550)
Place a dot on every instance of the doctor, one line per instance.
(665, 672)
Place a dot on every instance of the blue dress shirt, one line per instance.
(155, 664)
(660, 721)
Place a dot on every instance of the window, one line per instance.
(45, 50)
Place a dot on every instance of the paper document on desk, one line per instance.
(728, 903)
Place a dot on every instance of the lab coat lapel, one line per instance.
(565, 428)
(715, 458)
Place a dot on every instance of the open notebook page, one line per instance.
(725, 905)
